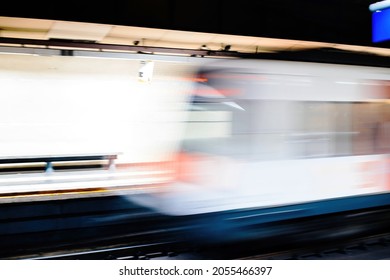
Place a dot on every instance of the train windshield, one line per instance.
(224, 121)
(239, 128)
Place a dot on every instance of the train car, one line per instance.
(271, 140)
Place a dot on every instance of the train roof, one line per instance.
(327, 55)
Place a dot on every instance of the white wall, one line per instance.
(57, 105)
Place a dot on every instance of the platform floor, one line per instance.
(76, 184)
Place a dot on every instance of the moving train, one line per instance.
(269, 141)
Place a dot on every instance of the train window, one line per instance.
(365, 117)
(384, 132)
(263, 127)
(281, 129)
(328, 123)
(208, 120)
(341, 127)
(322, 129)
(317, 129)
(371, 123)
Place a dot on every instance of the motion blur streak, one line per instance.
(293, 134)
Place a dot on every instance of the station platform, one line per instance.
(55, 177)
(64, 185)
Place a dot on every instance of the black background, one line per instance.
(334, 21)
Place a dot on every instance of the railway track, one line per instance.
(350, 236)
(129, 252)
(144, 245)
(376, 247)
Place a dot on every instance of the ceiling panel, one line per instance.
(152, 37)
(78, 31)
(25, 23)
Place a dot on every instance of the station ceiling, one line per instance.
(246, 26)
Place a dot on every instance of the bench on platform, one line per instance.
(48, 160)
